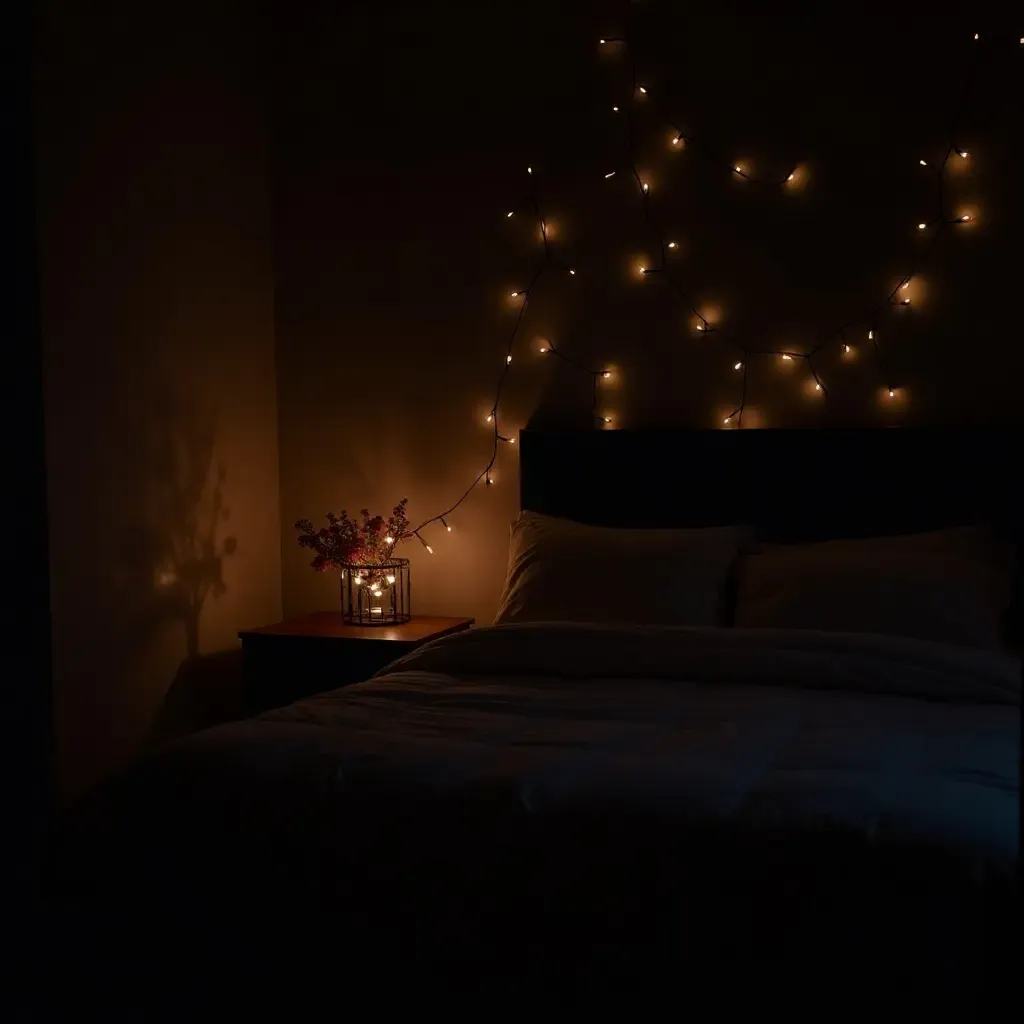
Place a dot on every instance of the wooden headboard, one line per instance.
(791, 485)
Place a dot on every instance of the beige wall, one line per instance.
(157, 316)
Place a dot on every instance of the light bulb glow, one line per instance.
(817, 387)
(966, 217)
(510, 212)
(738, 169)
(508, 359)
(543, 349)
(904, 302)
(975, 35)
(921, 226)
(646, 187)
(643, 270)
(513, 295)
(923, 163)
(846, 349)
(601, 41)
(677, 140)
(389, 540)
(904, 286)
(510, 440)
(962, 153)
(787, 357)
(529, 170)
(573, 272)
(702, 326)
(391, 580)
(738, 366)
(642, 90)
(615, 110)
(489, 480)
(430, 550)
(610, 174)
(673, 245)
(606, 419)
(357, 580)
(892, 394)
(490, 417)
(871, 335)
(606, 374)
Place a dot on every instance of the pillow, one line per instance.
(949, 586)
(559, 570)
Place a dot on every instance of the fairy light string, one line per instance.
(936, 228)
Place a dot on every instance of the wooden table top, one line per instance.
(332, 624)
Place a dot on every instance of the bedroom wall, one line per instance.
(401, 141)
(157, 318)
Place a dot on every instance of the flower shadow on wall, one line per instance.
(174, 548)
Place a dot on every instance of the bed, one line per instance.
(583, 811)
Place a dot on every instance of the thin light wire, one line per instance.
(551, 261)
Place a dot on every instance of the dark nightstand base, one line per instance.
(291, 660)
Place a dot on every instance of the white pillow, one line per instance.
(559, 570)
(948, 586)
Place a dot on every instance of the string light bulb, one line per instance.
(702, 326)
(489, 480)
(904, 302)
(646, 187)
(677, 140)
(490, 417)
(923, 163)
(508, 359)
(964, 218)
(921, 226)
(357, 580)
(573, 272)
(975, 35)
(673, 245)
(610, 174)
(444, 523)
(615, 110)
(846, 348)
(606, 374)
(738, 366)
(787, 357)
(963, 154)
(601, 41)
(391, 580)
(389, 540)
(642, 90)
(510, 212)
(430, 550)
(817, 386)
(871, 335)
(513, 295)
(892, 393)
(904, 286)
(606, 419)
(543, 350)
(529, 170)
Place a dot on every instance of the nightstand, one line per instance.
(290, 660)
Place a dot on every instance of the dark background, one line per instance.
(274, 264)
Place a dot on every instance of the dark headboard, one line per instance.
(790, 485)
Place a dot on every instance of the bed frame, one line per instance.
(791, 485)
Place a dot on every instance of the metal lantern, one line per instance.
(376, 595)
